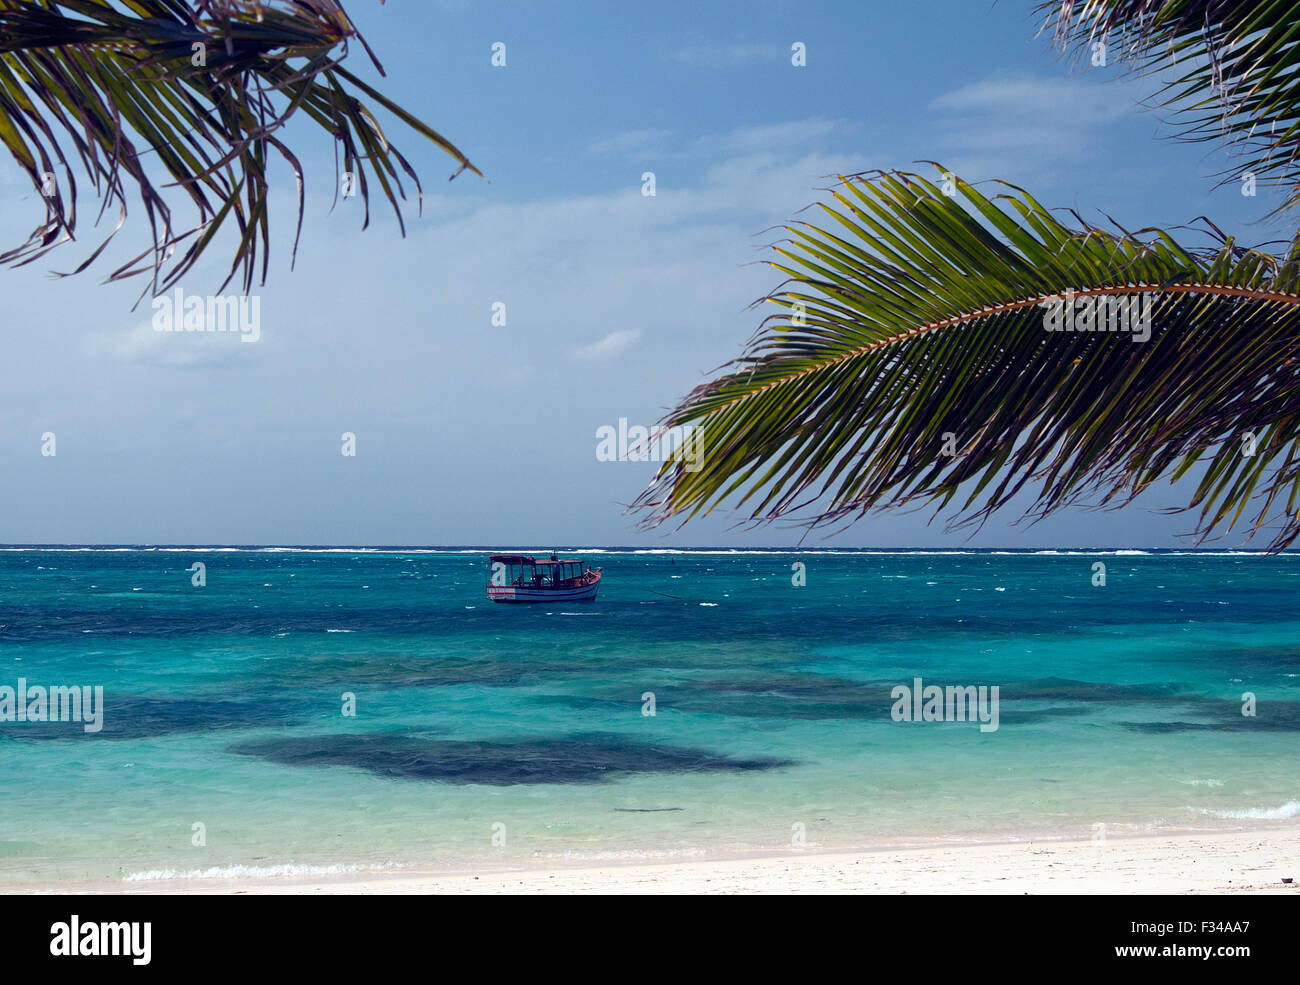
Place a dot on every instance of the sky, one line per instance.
(616, 304)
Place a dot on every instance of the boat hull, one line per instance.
(516, 594)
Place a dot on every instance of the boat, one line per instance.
(523, 578)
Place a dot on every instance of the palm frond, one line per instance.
(194, 95)
(910, 365)
(1235, 67)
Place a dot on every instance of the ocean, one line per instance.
(321, 710)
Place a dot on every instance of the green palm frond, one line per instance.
(911, 365)
(1235, 68)
(138, 93)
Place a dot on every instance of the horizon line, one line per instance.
(628, 548)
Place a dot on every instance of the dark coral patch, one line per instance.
(591, 758)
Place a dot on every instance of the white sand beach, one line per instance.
(1253, 861)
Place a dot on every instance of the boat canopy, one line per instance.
(529, 559)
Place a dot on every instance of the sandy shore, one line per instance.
(1253, 861)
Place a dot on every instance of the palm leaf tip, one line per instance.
(162, 93)
(1232, 71)
(912, 366)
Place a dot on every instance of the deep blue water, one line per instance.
(224, 705)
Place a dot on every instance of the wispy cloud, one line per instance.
(141, 345)
(789, 137)
(1011, 126)
(631, 141)
(616, 304)
(781, 140)
(611, 345)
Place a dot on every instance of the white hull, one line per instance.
(513, 593)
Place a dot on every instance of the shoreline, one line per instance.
(1253, 860)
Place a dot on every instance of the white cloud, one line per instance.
(1065, 99)
(632, 140)
(141, 345)
(617, 305)
(1021, 126)
(778, 141)
(789, 137)
(611, 345)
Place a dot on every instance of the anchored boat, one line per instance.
(523, 578)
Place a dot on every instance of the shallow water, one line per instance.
(477, 723)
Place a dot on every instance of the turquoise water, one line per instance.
(224, 705)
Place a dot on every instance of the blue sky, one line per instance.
(616, 304)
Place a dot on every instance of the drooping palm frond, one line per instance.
(911, 365)
(198, 92)
(1235, 68)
